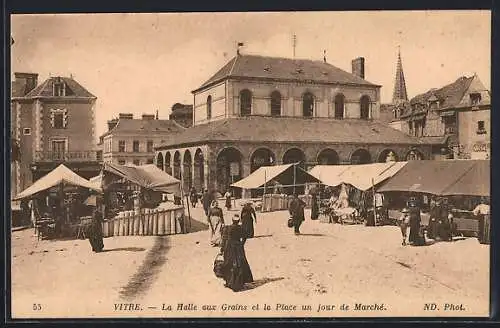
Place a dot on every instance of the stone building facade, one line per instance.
(132, 141)
(52, 123)
(454, 118)
(263, 111)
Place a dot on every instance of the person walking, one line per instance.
(236, 270)
(248, 216)
(404, 222)
(206, 200)
(296, 210)
(227, 196)
(193, 197)
(414, 237)
(314, 203)
(95, 229)
(216, 223)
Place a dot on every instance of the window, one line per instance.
(364, 107)
(149, 146)
(135, 146)
(209, 107)
(307, 105)
(121, 146)
(339, 106)
(121, 162)
(58, 149)
(27, 131)
(275, 103)
(245, 103)
(59, 89)
(480, 127)
(137, 162)
(475, 98)
(58, 120)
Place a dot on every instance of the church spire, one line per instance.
(399, 94)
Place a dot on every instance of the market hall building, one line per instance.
(260, 110)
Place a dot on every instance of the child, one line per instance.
(404, 222)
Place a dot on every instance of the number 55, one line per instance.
(37, 307)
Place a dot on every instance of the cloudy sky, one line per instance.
(139, 63)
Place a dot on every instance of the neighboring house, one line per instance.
(455, 119)
(182, 114)
(132, 141)
(52, 123)
(260, 110)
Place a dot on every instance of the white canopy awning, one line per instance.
(261, 176)
(60, 174)
(361, 176)
(147, 176)
(281, 173)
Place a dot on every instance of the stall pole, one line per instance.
(374, 203)
(294, 178)
(265, 182)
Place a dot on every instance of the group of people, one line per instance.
(231, 240)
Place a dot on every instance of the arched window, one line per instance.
(245, 103)
(364, 105)
(307, 105)
(209, 107)
(339, 106)
(275, 103)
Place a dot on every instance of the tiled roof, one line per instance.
(144, 127)
(450, 95)
(73, 88)
(262, 67)
(290, 129)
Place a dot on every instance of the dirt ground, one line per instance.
(328, 264)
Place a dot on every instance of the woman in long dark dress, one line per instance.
(95, 231)
(314, 206)
(248, 216)
(236, 270)
(414, 225)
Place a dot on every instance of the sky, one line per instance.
(140, 63)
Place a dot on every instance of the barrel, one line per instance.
(275, 202)
(177, 222)
(168, 222)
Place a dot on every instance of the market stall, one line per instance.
(353, 189)
(459, 184)
(133, 197)
(288, 178)
(58, 202)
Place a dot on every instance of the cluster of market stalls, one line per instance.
(378, 191)
(134, 202)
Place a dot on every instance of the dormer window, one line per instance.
(475, 98)
(59, 89)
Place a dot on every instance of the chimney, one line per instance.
(126, 116)
(30, 80)
(358, 67)
(112, 123)
(148, 116)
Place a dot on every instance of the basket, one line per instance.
(219, 266)
(290, 223)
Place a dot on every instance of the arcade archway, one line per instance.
(361, 156)
(295, 155)
(261, 157)
(328, 157)
(229, 169)
(177, 165)
(159, 161)
(199, 170)
(187, 162)
(168, 165)
(387, 155)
